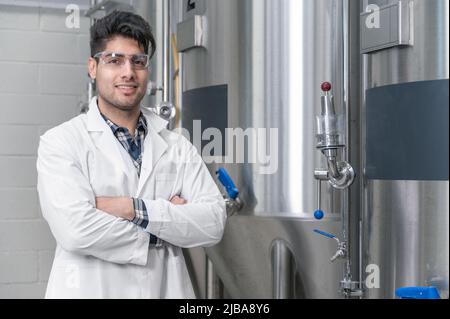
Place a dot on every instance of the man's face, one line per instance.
(124, 86)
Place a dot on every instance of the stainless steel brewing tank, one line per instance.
(406, 225)
(263, 63)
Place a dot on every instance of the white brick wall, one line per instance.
(43, 78)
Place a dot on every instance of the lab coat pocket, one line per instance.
(165, 185)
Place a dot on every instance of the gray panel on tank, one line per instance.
(408, 131)
(210, 106)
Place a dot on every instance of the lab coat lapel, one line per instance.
(154, 146)
(103, 137)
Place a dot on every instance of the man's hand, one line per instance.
(177, 200)
(121, 207)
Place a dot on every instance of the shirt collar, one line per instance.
(141, 126)
(95, 123)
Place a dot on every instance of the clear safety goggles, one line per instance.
(117, 60)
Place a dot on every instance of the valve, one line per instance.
(228, 183)
(233, 202)
(326, 87)
(340, 174)
(153, 88)
(342, 246)
(320, 176)
(166, 110)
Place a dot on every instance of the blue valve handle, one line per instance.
(324, 234)
(319, 214)
(228, 183)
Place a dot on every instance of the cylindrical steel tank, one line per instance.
(259, 64)
(406, 201)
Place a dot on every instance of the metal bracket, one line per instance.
(387, 26)
(191, 33)
(106, 6)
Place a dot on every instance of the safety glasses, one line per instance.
(117, 60)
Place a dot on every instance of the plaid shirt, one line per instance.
(134, 147)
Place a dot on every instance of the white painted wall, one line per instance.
(43, 78)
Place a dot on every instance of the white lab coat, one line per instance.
(101, 256)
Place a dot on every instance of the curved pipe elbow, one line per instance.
(333, 168)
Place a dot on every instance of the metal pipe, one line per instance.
(319, 195)
(351, 196)
(283, 271)
(356, 117)
(40, 4)
(346, 72)
(362, 155)
(346, 153)
(166, 51)
(366, 75)
(332, 167)
(91, 84)
(214, 286)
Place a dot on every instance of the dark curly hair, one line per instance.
(126, 24)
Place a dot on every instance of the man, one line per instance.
(121, 193)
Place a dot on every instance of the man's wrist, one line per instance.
(140, 213)
(131, 211)
(141, 219)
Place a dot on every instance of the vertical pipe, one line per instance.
(214, 287)
(283, 271)
(354, 136)
(365, 75)
(356, 140)
(363, 183)
(319, 190)
(166, 50)
(91, 84)
(346, 193)
(351, 87)
(180, 70)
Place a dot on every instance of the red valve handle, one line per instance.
(326, 87)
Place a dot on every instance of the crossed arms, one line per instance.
(122, 207)
(100, 226)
